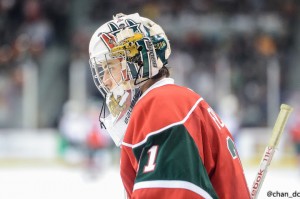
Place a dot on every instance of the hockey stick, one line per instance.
(283, 115)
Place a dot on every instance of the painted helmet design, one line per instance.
(124, 53)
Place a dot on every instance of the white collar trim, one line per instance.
(157, 84)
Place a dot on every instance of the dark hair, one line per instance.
(163, 72)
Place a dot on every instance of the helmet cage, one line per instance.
(109, 71)
(137, 60)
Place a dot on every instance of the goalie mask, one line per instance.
(124, 53)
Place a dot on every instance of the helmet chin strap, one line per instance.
(102, 125)
(141, 82)
(137, 76)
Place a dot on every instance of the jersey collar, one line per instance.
(157, 84)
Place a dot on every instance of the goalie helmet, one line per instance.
(124, 53)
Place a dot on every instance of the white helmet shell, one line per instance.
(154, 43)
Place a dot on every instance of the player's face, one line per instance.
(112, 73)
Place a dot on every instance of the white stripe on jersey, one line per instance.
(164, 128)
(172, 184)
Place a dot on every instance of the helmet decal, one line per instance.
(108, 39)
(112, 26)
(130, 22)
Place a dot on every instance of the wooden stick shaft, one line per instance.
(283, 115)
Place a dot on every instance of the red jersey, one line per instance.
(176, 146)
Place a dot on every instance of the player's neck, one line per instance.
(149, 83)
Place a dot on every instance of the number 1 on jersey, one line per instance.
(152, 153)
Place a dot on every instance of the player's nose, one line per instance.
(107, 80)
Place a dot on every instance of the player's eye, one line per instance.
(104, 66)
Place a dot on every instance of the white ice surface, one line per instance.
(73, 183)
(58, 183)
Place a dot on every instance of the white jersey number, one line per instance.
(215, 118)
(152, 153)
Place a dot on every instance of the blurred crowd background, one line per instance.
(242, 56)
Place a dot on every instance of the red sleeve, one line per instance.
(218, 152)
(128, 172)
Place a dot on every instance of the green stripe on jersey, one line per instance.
(172, 155)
